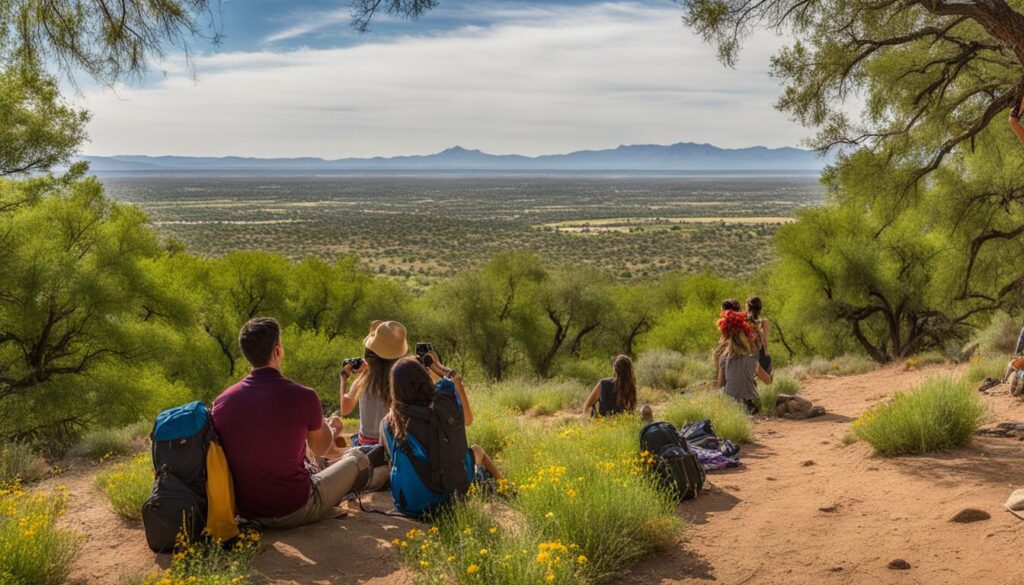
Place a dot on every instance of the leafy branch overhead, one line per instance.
(932, 74)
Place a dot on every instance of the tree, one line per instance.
(933, 274)
(39, 130)
(933, 73)
(74, 338)
(109, 41)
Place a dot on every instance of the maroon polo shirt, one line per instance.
(263, 422)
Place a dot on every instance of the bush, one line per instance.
(938, 414)
(537, 396)
(727, 416)
(781, 384)
(844, 365)
(667, 369)
(126, 486)
(584, 509)
(101, 443)
(981, 368)
(19, 461)
(32, 547)
(209, 563)
(925, 359)
(1000, 336)
(494, 428)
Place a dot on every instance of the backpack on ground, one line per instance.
(432, 464)
(677, 468)
(192, 491)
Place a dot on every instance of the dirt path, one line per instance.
(804, 509)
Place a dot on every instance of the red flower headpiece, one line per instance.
(733, 322)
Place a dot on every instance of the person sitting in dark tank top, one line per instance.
(614, 395)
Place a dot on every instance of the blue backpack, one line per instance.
(433, 463)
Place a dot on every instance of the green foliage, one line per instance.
(727, 416)
(33, 548)
(208, 563)
(126, 485)
(781, 384)
(537, 396)
(985, 367)
(668, 369)
(39, 130)
(102, 443)
(584, 509)
(938, 414)
(844, 365)
(20, 462)
(1000, 335)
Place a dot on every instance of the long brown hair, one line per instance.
(410, 384)
(624, 383)
(376, 381)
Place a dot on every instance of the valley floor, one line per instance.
(803, 509)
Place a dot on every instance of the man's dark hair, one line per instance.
(258, 338)
(731, 305)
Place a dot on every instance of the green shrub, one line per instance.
(925, 359)
(986, 367)
(584, 371)
(100, 443)
(1000, 336)
(33, 549)
(667, 369)
(940, 413)
(19, 461)
(844, 365)
(781, 384)
(537, 396)
(727, 416)
(584, 509)
(209, 563)
(494, 428)
(126, 486)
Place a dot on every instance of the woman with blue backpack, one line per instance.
(425, 438)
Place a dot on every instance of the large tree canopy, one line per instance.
(932, 74)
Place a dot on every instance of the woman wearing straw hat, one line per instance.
(371, 389)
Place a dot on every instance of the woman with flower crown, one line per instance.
(738, 367)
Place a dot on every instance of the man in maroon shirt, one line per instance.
(265, 423)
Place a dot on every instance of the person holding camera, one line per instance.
(371, 390)
(429, 469)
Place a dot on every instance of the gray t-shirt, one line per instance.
(740, 376)
(371, 412)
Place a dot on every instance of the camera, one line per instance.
(422, 349)
(355, 362)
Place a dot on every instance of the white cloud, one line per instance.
(551, 80)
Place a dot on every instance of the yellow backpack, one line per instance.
(220, 495)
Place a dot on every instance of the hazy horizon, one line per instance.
(531, 78)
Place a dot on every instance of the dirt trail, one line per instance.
(804, 509)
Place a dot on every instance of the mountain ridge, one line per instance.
(681, 156)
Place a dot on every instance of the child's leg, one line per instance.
(481, 458)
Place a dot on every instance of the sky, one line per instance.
(293, 78)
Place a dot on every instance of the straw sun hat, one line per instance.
(387, 339)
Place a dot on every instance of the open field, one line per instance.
(420, 228)
(805, 508)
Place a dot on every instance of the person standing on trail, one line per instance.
(265, 423)
(760, 325)
(738, 368)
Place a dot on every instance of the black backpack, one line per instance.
(177, 503)
(440, 430)
(677, 468)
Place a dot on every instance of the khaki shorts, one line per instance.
(329, 487)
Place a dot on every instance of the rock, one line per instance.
(899, 565)
(807, 463)
(829, 509)
(968, 515)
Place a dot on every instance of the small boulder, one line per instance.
(899, 565)
(968, 515)
(807, 463)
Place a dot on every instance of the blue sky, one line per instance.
(292, 78)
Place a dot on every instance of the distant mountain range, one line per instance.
(683, 156)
